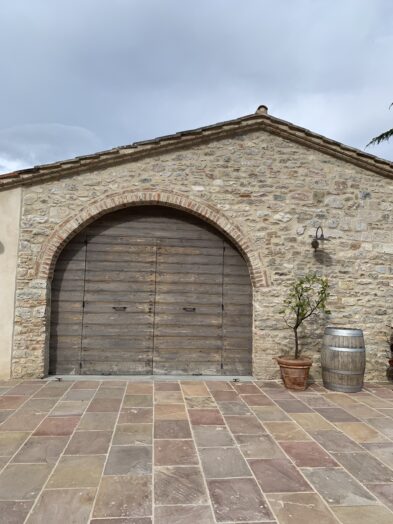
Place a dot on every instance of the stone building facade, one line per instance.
(264, 183)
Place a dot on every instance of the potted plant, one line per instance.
(307, 297)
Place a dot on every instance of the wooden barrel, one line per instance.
(343, 359)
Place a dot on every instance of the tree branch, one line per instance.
(383, 137)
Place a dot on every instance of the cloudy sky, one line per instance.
(79, 76)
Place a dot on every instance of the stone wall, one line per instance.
(10, 202)
(273, 190)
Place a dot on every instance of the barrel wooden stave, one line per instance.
(343, 359)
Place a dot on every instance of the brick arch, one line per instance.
(111, 202)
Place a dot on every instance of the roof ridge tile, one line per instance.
(268, 123)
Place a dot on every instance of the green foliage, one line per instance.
(307, 296)
(383, 137)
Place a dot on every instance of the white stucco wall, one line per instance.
(10, 204)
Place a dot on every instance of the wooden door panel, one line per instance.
(117, 327)
(63, 342)
(238, 309)
(198, 289)
(237, 315)
(238, 280)
(239, 321)
(75, 251)
(187, 337)
(123, 367)
(188, 243)
(123, 255)
(236, 367)
(68, 318)
(189, 253)
(115, 318)
(181, 307)
(108, 306)
(177, 267)
(177, 317)
(63, 295)
(138, 265)
(188, 298)
(123, 295)
(116, 354)
(67, 306)
(131, 277)
(67, 309)
(184, 342)
(119, 300)
(114, 330)
(65, 367)
(188, 354)
(187, 367)
(117, 288)
(198, 258)
(153, 291)
(238, 344)
(62, 285)
(132, 246)
(75, 264)
(187, 330)
(189, 278)
(125, 341)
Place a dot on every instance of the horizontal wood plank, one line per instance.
(113, 330)
(125, 341)
(115, 368)
(122, 318)
(162, 342)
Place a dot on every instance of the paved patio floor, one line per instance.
(173, 452)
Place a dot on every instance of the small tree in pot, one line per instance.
(307, 297)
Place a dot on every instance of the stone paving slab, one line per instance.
(193, 451)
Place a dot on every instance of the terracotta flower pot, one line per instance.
(294, 372)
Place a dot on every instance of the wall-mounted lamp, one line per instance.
(319, 237)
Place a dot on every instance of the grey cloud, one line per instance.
(31, 144)
(134, 69)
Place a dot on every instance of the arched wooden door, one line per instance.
(151, 290)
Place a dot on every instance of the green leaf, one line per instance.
(383, 137)
(306, 297)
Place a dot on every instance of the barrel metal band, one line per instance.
(340, 372)
(343, 332)
(343, 389)
(334, 348)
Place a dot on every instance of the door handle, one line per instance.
(119, 308)
(189, 309)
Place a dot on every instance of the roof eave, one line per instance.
(188, 138)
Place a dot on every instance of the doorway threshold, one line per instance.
(151, 378)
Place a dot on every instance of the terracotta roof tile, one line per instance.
(259, 120)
